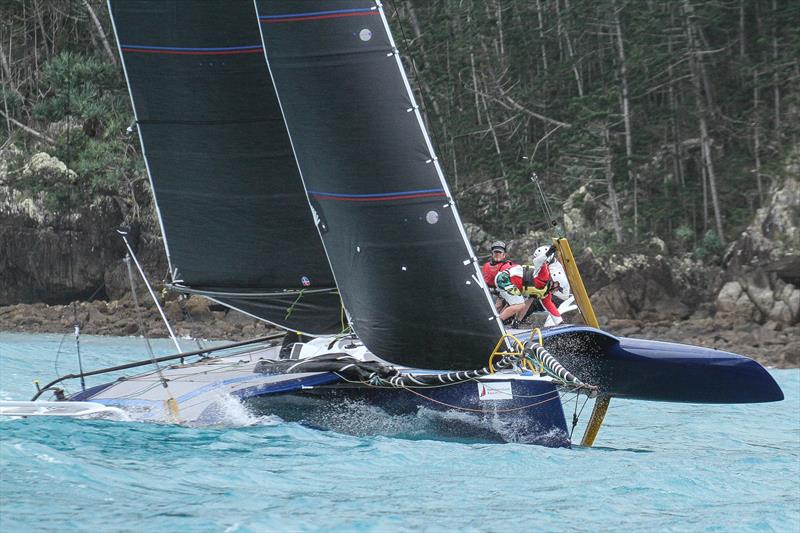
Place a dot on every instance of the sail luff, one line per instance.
(294, 151)
(473, 259)
(139, 134)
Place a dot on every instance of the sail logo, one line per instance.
(495, 390)
(305, 281)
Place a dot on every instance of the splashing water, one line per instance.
(663, 467)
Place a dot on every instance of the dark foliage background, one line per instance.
(674, 114)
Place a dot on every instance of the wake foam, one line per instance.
(228, 411)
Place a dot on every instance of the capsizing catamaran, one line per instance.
(295, 182)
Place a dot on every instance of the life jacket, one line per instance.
(537, 286)
(525, 278)
(491, 269)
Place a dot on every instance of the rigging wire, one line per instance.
(139, 318)
(171, 403)
(541, 199)
(576, 415)
(58, 353)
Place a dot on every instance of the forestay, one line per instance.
(232, 209)
(404, 267)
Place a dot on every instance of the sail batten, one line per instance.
(233, 213)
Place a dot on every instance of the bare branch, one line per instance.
(29, 130)
(512, 104)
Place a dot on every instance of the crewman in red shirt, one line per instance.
(520, 281)
(498, 262)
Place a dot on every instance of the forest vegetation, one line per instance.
(675, 115)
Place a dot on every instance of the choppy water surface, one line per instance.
(655, 467)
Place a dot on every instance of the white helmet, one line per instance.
(539, 257)
(558, 274)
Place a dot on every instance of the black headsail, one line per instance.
(402, 262)
(232, 208)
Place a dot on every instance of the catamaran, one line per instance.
(295, 182)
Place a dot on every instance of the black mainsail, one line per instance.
(404, 267)
(232, 209)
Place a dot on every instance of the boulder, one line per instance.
(793, 301)
(48, 168)
(780, 312)
(644, 288)
(480, 240)
(746, 309)
(579, 211)
(198, 309)
(729, 296)
(57, 256)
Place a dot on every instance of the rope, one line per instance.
(470, 410)
(291, 307)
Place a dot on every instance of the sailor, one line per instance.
(561, 288)
(498, 262)
(560, 283)
(532, 281)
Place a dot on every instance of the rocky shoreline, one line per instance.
(743, 299)
(770, 344)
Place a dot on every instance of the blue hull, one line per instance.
(659, 371)
(533, 416)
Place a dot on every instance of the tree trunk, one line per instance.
(741, 30)
(499, 14)
(701, 106)
(475, 88)
(704, 177)
(757, 138)
(541, 35)
(496, 145)
(626, 114)
(776, 92)
(570, 51)
(100, 32)
(616, 219)
(5, 66)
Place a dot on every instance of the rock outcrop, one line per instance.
(762, 268)
(55, 256)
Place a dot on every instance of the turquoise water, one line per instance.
(656, 467)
